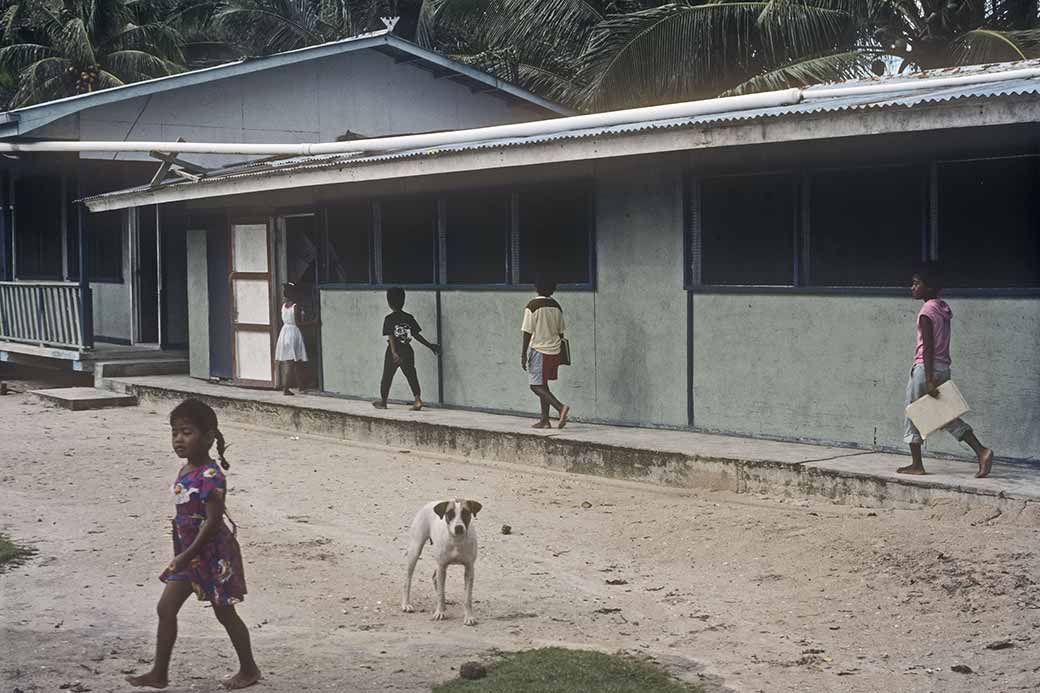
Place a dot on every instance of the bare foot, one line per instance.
(985, 463)
(378, 404)
(243, 679)
(564, 413)
(914, 469)
(541, 424)
(149, 680)
(417, 406)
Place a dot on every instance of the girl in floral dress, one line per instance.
(207, 560)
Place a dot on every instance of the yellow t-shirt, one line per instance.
(543, 320)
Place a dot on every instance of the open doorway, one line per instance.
(146, 277)
(302, 233)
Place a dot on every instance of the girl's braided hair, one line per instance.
(203, 416)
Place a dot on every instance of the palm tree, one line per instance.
(635, 52)
(57, 49)
(263, 27)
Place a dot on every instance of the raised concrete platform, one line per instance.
(80, 398)
(674, 458)
(87, 360)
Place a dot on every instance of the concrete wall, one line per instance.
(365, 92)
(353, 344)
(628, 337)
(834, 368)
(198, 304)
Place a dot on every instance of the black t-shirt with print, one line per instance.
(402, 327)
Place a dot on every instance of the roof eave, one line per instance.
(776, 129)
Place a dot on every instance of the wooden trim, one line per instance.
(232, 222)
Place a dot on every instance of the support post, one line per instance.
(86, 303)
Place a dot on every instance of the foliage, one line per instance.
(559, 669)
(12, 554)
(597, 55)
(55, 49)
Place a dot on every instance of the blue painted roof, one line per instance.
(22, 121)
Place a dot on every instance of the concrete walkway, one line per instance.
(674, 458)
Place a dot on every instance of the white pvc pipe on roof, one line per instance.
(784, 97)
(918, 84)
(770, 99)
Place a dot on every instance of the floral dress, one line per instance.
(216, 572)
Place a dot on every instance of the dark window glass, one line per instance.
(989, 223)
(38, 238)
(555, 228)
(105, 240)
(349, 229)
(747, 230)
(409, 228)
(478, 238)
(866, 226)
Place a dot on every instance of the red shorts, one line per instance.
(541, 368)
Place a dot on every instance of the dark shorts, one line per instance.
(541, 368)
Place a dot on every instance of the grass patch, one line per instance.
(575, 671)
(11, 554)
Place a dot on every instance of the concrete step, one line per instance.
(82, 398)
(103, 370)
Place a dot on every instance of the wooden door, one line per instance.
(252, 333)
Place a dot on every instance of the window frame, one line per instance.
(440, 282)
(931, 233)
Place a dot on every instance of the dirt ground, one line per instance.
(753, 593)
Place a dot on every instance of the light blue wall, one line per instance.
(834, 368)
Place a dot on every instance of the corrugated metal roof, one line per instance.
(913, 96)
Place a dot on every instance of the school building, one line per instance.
(743, 271)
(80, 288)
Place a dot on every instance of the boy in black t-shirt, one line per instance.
(400, 328)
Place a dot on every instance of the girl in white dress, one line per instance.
(290, 349)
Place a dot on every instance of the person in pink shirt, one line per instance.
(932, 368)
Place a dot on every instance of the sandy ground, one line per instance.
(756, 594)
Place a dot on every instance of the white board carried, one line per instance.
(930, 414)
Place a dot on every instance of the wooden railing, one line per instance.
(43, 313)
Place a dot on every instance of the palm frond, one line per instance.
(41, 81)
(541, 28)
(989, 46)
(266, 29)
(834, 67)
(76, 43)
(19, 56)
(133, 66)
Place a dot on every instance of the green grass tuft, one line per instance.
(11, 554)
(555, 669)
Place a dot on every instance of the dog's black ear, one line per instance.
(441, 508)
(474, 506)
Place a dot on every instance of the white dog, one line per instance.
(448, 526)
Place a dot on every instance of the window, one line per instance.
(989, 222)
(747, 230)
(866, 226)
(409, 233)
(477, 240)
(105, 241)
(349, 233)
(555, 229)
(38, 227)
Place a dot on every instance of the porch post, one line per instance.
(86, 304)
(5, 230)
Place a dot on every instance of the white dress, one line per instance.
(290, 345)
